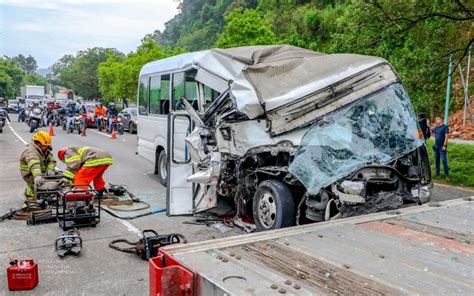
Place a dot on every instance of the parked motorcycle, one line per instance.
(36, 118)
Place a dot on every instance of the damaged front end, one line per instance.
(364, 158)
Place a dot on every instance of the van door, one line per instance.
(179, 192)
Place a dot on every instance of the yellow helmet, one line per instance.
(43, 138)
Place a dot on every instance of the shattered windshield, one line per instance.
(376, 129)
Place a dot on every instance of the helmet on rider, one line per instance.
(42, 138)
(111, 105)
(61, 153)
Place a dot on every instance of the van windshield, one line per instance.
(376, 129)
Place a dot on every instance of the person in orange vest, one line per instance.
(99, 112)
(84, 165)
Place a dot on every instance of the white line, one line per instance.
(17, 135)
(99, 133)
(130, 227)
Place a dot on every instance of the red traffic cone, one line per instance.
(114, 136)
(84, 131)
(51, 130)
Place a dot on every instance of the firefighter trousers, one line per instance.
(86, 175)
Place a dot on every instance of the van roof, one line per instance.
(266, 77)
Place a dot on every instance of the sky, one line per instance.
(47, 30)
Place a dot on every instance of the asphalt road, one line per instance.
(98, 270)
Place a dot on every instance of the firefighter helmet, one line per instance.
(43, 138)
(61, 153)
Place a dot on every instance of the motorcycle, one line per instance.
(76, 124)
(53, 117)
(3, 120)
(101, 122)
(35, 119)
(117, 125)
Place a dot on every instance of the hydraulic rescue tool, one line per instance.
(69, 243)
(147, 247)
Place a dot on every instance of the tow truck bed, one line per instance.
(417, 250)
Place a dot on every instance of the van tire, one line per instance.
(161, 165)
(273, 206)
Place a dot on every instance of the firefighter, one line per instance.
(84, 165)
(36, 161)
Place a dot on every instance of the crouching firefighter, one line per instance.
(36, 161)
(84, 165)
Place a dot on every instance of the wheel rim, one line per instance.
(162, 164)
(267, 210)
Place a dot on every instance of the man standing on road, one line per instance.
(71, 111)
(111, 113)
(441, 132)
(36, 160)
(84, 165)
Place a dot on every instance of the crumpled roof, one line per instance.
(270, 76)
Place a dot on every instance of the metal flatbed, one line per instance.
(416, 250)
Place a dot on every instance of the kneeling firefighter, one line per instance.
(36, 160)
(84, 165)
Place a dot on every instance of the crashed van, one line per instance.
(292, 136)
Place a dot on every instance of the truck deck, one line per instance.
(415, 250)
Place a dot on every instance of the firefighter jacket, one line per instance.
(76, 158)
(34, 163)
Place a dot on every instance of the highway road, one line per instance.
(98, 270)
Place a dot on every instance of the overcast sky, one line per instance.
(49, 29)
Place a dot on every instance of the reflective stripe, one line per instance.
(32, 162)
(97, 162)
(24, 168)
(51, 166)
(81, 151)
(68, 174)
(72, 158)
(36, 172)
(29, 191)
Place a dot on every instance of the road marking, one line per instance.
(16, 134)
(100, 133)
(130, 227)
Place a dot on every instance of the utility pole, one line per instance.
(448, 90)
(466, 90)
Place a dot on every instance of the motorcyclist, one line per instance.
(36, 161)
(71, 111)
(84, 165)
(99, 111)
(111, 113)
(3, 117)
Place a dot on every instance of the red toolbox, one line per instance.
(23, 275)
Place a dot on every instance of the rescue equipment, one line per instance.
(69, 243)
(147, 247)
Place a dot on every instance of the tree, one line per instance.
(11, 77)
(246, 27)
(28, 64)
(80, 73)
(118, 75)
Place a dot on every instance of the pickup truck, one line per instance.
(415, 250)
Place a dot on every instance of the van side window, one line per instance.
(184, 85)
(165, 94)
(155, 89)
(178, 90)
(143, 96)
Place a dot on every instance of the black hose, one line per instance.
(156, 211)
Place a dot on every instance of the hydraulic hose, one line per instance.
(151, 212)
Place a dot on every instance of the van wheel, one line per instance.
(273, 206)
(161, 169)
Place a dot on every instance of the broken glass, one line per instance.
(374, 130)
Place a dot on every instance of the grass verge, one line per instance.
(460, 163)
